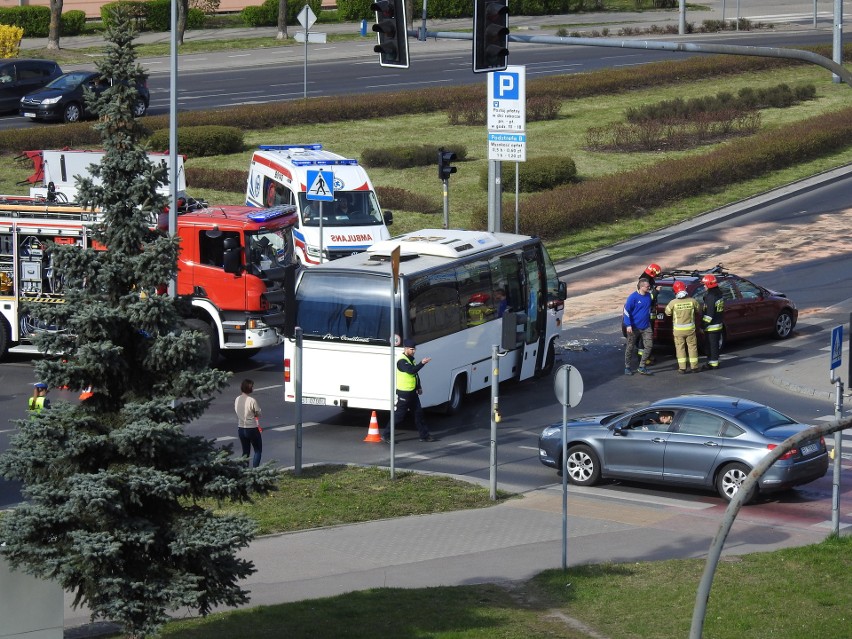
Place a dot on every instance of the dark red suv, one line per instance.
(750, 310)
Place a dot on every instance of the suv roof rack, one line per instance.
(719, 269)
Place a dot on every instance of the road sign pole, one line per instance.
(495, 390)
(297, 377)
(836, 361)
(568, 387)
(446, 203)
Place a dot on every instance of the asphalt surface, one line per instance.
(514, 540)
(517, 539)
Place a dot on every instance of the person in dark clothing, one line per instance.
(714, 310)
(408, 392)
(638, 328)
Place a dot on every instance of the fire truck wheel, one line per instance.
(4, 337)
(212, 338)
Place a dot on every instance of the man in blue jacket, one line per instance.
(637, 324)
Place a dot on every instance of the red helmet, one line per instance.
(653, 270)
(709, 281)
(678, 287)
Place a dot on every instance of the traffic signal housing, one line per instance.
(490, 35)
(391, 28)
(445, 169)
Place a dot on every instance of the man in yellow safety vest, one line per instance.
(408, 391)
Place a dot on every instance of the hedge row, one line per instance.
(780, 96)
(405, 157)
(359, 9)
(150, 15)
(631, 193)
(35, 21)
(228, 180)
(266, 15)
(536, 174)
(200, 141)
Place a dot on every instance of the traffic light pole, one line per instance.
(446, 184)
(680, 47)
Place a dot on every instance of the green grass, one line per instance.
(333, 495)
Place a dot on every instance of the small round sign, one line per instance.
(568, 385)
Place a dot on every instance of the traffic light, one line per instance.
(490, 35)
(391, 28)
(445, 169)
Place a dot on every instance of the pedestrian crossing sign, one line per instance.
(320, 186)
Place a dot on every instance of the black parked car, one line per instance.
(63, 98)
(20, 77)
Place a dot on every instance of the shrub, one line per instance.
(10, 41)
(536, 174)
(158, 16)
(229, 180)
(73, 22)
(35, 21)
(201, 141)
(404, 157)
(396, 199)
(266, 15)
(348, 10)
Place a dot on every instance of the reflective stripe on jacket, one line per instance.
(682, 311)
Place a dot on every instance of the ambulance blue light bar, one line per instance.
(310, 155)
(275, 212)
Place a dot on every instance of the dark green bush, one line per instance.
(348, 10)
(395, 199)
(35, 21)
(536, 174)
(201, 141)
(73, 22)
(158, 16)
(229, 180)
(266, 15)
(404, 157)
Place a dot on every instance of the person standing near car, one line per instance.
(714, 309)
(682, 309)
(638, 327)
(408, 391)
(651, 272)
(248, 422)
(39, 400)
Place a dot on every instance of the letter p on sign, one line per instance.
(506, 85)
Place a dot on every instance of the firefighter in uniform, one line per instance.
(682, 309)
(714, 309)
(650, 273)
(408, 391)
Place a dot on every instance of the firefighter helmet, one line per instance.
(653, 270)
(678, 287)
(709, 281)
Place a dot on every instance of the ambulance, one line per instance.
(334, 220)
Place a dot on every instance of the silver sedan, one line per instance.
(701, 441)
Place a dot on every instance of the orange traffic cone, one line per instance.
(373, 434)
(86, 394)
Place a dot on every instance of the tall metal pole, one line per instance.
(446, 199)
(173, 210)
(681, 23)
(517, 195)
(838, 37)
(305, 92)
(495, 398)
(392, 385)
(297, 373)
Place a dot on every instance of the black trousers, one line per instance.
(714, 340)
(408, 401)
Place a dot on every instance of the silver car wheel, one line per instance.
(783, 325)
(582, 466)
(731, 479)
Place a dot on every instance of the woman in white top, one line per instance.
(248, 424)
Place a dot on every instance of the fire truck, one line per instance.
(326, 230)
(233, 263)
